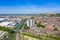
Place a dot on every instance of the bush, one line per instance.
(40, 25)
(26, 27)
(3, 28)
(56, 29)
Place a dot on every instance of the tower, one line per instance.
(30, 23)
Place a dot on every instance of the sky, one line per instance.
(29, 6)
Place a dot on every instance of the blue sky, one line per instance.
(29, 6)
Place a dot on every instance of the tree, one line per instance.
(25, 26)
(56, 29)
(40, 25)
(3, 28)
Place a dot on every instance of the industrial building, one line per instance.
(3, 19)
(8, 24)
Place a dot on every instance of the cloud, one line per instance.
(30, 8)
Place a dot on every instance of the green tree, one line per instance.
(40, 25)
(25, 26)
(56, 29)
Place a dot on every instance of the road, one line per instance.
(18, 36)
(19, 25)
(16, 30)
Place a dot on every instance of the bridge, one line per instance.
(18, 26)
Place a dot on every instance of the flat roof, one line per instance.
(5, 23)
(2, 33)
(3, 18)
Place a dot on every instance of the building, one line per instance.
(3, 19)
(30, 23)
(3, 34)
(8, 24)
